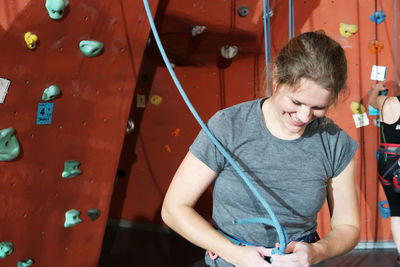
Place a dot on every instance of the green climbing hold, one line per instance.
(25, 263)
(91, 48)
(56, 8)
(72, 218)
(9, 146)
(6, 248)
(51, 92)
(71, 169)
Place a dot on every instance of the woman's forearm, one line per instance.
(340, 240)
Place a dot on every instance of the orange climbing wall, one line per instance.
(88, 123)
(162, 134)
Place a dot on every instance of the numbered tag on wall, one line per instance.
(361, 119)
(4, 85)
(378, 73)
(44, 113)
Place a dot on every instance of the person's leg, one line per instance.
(395, 226)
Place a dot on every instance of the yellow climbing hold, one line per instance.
(347, 30)
(357, 108)
(156, 100)
(30, 40)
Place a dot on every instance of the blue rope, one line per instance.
(276, 225)
(267, 42)
(291, 19)
(395, 47)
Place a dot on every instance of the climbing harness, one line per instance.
(388, 149)
(283, 240)
(394, 150)
(310, 238)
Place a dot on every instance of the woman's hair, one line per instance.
(315, 56)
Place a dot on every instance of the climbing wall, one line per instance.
(85, 123)
(163, 131)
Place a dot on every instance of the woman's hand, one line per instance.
(379, 87)
(296, 254)
(251, 256)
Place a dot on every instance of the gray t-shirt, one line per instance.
(291, 175)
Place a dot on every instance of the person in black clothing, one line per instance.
(389, 156)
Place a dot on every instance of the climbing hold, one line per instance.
(357, 108)
(377, 154)
(347, 30)
(243, 11)
(9, 146)
(51, 92)
(375, 46)
(373, 111)
(140, 101)
(71, 169)
(93, 214)
(25, 263)
(176, 132)
(31, 40)
(360, 115)
(6, 248)
(72, 218)
(167, 148)
(130, 126)
(196, 30)
(383, 92)
(229, 51)
(90, 48)
(378, 17)
(56, 8)
(384, 209)
(156, 100)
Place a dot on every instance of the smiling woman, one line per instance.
(290, 110)
(272, 139)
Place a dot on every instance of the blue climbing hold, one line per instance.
(378, 17)
(377, 155)
(384, 211)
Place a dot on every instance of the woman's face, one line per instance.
(297, 107)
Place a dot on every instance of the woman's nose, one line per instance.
(304, 114)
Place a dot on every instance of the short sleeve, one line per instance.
(344, 151)
(204, 149)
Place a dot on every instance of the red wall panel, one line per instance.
(88, 123)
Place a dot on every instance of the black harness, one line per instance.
(391, 149)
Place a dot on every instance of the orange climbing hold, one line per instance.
(176, 132)
(375, 46)
(167, 148)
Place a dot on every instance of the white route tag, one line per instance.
(361, 120)
(378, 73)
(4, 85)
